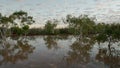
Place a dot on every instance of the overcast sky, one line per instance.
(41, 10)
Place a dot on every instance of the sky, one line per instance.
(42, 10)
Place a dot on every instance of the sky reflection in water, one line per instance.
(59, 52)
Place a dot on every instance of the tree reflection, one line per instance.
(79, 53)
(50, 41)
(15, 52)
(109, 56)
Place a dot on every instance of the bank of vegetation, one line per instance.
(18, 24)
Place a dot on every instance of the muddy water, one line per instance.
(58, 52)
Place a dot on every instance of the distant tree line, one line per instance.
(82, 26)
(18, 24)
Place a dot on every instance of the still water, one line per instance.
(58, 52)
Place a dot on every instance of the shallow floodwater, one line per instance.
(58, 52)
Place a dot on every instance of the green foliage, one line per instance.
(23, 21)
(20, 31)
(101, 38)
(36, 31)
(22, 18)
(100, 27)
(17, 30)
(80, 25)
(50, 27)
(64, 31)
(109, 32)
(5, 23)
(25, 29)
(18, 22)
(83, 25)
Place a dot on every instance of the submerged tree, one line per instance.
(109, 56)
(108, 32)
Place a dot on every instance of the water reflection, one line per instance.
(11, 53)
(109, 56)
(79, 53)
(51, 42)
(71, 52)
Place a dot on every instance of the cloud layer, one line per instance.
(42, 10)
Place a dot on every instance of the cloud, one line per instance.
(19, 0)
